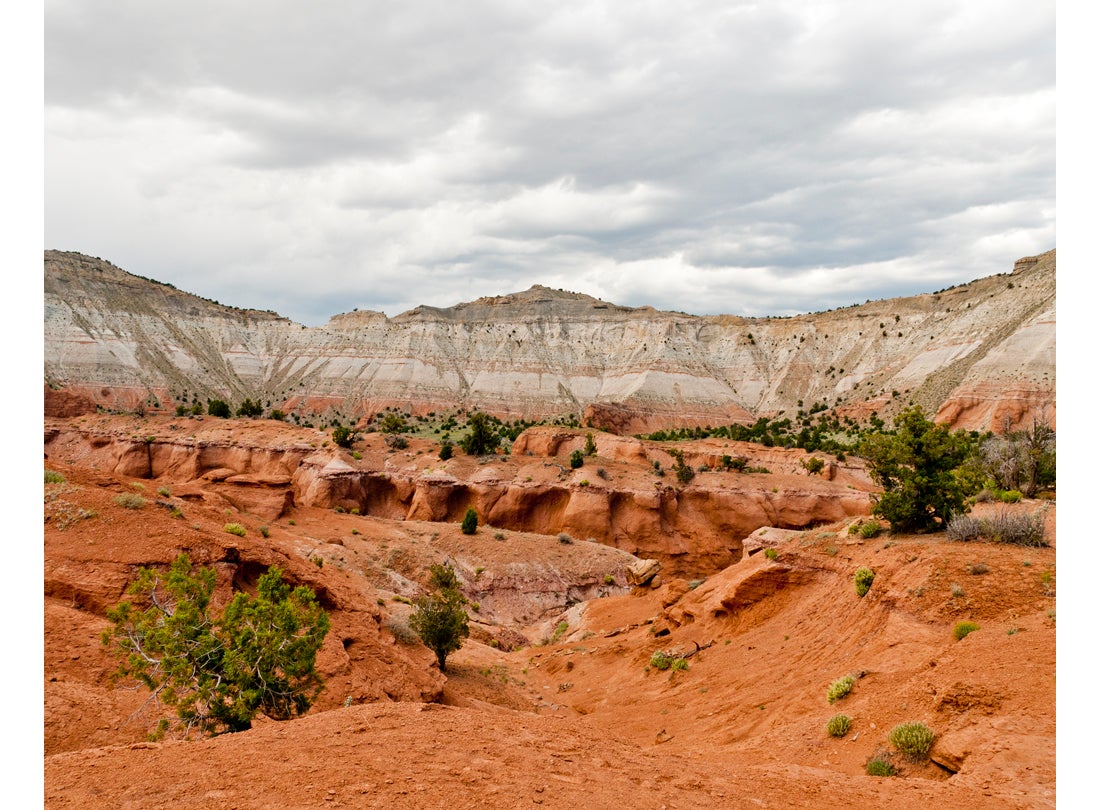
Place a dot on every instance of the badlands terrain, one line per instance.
(553, 701)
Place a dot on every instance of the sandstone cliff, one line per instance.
(980, 355)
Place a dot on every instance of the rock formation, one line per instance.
(979, 355)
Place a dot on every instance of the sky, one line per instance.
(706, 157)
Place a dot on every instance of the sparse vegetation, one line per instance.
(54, 477)
(236, 528)
(913, 739)
(863, 578)
(840, 688)
(589, 445)
(771, 553)
(838, 725)
(964, 629)
(564, 538)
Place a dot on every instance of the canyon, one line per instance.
(579, 578)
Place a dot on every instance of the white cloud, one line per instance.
(764, 155)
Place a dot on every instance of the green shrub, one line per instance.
(250, 408)
(218, 407)
(870, 529)
(838, 725)
(840, 688)
(813, 465)
(863, 579)
(964, 629)
(576, 459)
(54, 477)
(266, 532)
(1011, 496)
(565, 538)
(662, 661)
(771, 553)
(130, 500)
(343, 436)
(164, 492)
(446, 450)
(235, 528)
(469, 522)
(880, 767)
(912, 739)
(608, 579)
(589, 445)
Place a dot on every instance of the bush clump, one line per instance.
(912, 739)
(1016, 528)
(878, 766)
(840, 688)
(838, 725)
(576, 459)
(469, 522)
(771, 553)
(964, 629)
(872, 528)
(863, 579)
(662, 661)
(235, 528)
(130, 500)
(54, 477)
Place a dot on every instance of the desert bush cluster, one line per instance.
(1015, 528)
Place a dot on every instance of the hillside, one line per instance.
(979, 355)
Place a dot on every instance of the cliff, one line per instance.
(979, 355)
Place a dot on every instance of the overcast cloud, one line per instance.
(709, 157)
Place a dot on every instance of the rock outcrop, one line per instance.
(979, 355)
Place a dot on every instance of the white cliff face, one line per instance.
(975, 354)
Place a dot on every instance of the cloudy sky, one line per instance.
(709, 157)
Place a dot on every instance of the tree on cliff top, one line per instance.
(482, 438)
(218, 673)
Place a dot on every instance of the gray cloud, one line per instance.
(746, 158)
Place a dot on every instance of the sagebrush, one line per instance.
(914, 739)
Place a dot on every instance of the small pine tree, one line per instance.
(439, 618)
(576, 459)
(589, 445)
(469, 522)
(446, 450)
